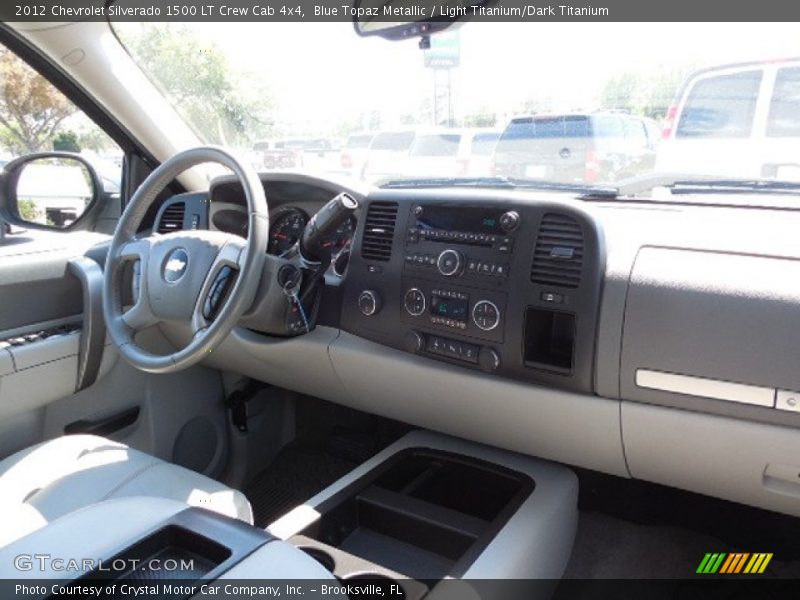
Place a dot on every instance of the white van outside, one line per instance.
(735, 121)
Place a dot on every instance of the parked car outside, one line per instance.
(451, 153)
(353, 154)
(386, 154)
(276, 154)
(576, 147)
(739, 120)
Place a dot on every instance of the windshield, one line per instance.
(503, 100)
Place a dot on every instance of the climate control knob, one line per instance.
(369, 303)
(450, 262)
(414, 302)
(486, 315)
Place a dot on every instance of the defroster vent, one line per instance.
(379, 231)
(172, 218)
(558, 255)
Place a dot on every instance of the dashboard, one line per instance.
(631, 338)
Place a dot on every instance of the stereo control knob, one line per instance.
(488, 360)
(450, 262)
(369, 303)
(509, 221)
(414, 302)
(414, 342)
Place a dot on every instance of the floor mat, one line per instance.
(296, 474)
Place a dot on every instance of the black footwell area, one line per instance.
(297, 473)
(330, 442)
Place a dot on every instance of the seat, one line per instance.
(54, 478)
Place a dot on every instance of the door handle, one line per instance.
(93, 332)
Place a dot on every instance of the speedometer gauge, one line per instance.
(287, 227)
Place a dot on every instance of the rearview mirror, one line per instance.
(400, 20)
(51, 189)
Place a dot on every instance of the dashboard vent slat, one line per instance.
(379, 231)
(172, 218)
(558, 254)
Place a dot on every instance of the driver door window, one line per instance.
(36, 117)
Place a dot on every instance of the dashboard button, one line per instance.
(786, 400)
(435, 345)
(469, 353)
(552, 297)
(453, 349)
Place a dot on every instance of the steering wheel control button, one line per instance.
(414, 302)
(369, 303)
(175, 265)
(509, 221)
(486, 315)
(218, 292)
(450, 262)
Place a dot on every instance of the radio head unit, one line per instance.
(467, 219)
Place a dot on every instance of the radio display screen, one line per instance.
(470, 219)
(450, 308)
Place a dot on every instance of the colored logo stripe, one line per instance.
(758, 563)
(734, 563)
(711, 562)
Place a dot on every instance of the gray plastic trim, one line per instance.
(751, 463)
(569, 427)
(93, 332)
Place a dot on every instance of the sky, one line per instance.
(318, 73)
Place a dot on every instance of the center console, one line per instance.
(507, 286)
(431, 508)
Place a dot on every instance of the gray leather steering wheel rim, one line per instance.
(217, 250)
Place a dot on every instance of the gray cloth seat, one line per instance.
(54, 478)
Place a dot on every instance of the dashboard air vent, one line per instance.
(558, 255)
(172, 218)
(379, 231)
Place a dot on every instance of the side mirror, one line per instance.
(51, 189)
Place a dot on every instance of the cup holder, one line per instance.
(322, 557)
(382, 586)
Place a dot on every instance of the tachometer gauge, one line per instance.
(287, 227)
(340, 238)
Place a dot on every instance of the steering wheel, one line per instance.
(179, 272)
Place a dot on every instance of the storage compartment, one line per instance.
(193, 545)
(424, 514)
(196, 555)
(549, 339)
